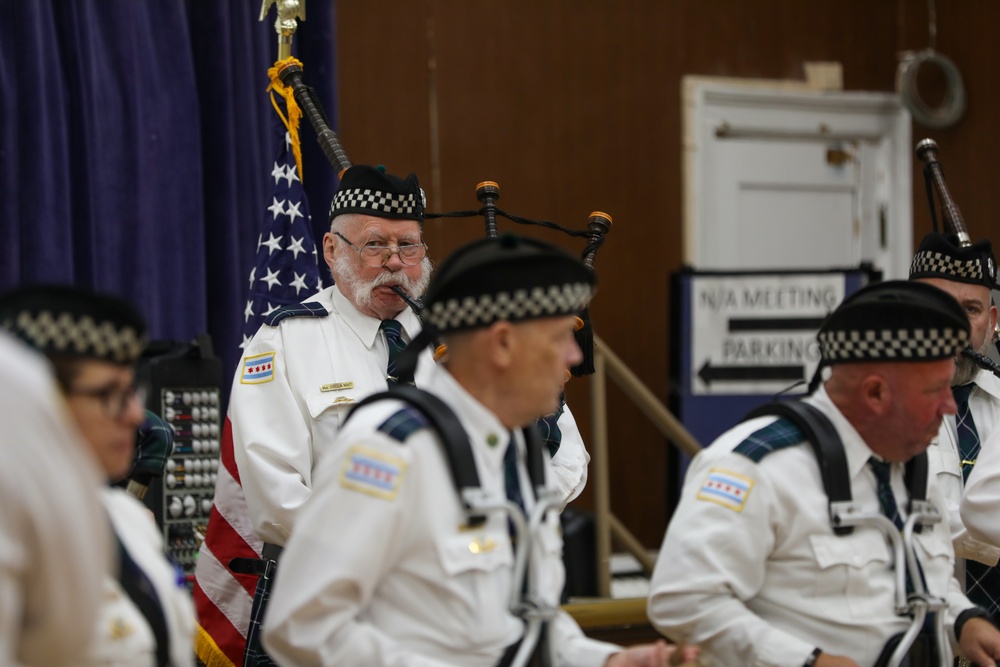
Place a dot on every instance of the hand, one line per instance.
(980, 642)
(658, 654)
(827, 660)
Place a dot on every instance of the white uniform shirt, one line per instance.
(946, 464)
(383, 571)
(765, 580)
(124, 637)
(55, 545)
(321, 367)
(981, 497)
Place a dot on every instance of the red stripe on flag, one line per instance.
(227, 638)
(226, 544)
(226, 454)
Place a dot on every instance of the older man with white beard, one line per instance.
(968, 274)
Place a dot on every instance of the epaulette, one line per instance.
(780, 434)
(403, 423)
(307, 309)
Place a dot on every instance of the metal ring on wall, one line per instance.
(953, 106)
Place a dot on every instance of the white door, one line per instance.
(780, 179)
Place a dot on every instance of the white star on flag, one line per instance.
(296, 246)
(271, 279)
(292, 211)
(290, 174)
(277, 208)
(299, 283)
(273, 243)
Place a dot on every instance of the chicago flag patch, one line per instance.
(372, 472)
(726, 488)
(258, 369)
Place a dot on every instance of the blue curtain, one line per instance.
(136, 151)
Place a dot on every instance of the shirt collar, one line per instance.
(856, 449)
(366, 327)
(487, 434)
(988, 382)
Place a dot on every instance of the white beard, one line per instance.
(363, 290)
(965, 368)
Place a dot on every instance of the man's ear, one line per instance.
(876, 394)
(329, 244)
(993, 321)
(502, 343)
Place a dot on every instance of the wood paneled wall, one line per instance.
(574, 106)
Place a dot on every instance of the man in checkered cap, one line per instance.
(385, 566)
(969, 274)
(751, 566)
(307, 365)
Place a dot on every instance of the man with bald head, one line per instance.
(753, 565)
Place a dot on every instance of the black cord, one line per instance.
(520, 220)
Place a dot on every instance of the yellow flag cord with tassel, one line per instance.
(294, 113)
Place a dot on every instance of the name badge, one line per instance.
(337, 386)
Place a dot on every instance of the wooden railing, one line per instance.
(606, 525)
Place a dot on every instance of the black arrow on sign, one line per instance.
(737, 324)
(709, 373)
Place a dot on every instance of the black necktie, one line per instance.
(885, 497)
(512, 481)
(887, 500)
(394, 342)
(968, 435)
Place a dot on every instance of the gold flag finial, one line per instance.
(286, 23)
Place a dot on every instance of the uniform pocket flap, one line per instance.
(856, 550)
(941, 459)
(474, 550)
(320, 403)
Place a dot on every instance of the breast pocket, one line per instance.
(328, 411)
(853, 568)
(936, 559)
(478, 566)
(943, 460)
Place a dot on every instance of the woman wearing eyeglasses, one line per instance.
(93, 342)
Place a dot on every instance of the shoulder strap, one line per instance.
(536, 459)
(305, 309)
(825, 442)
(916, 478)
(829, 449)
(453, 437)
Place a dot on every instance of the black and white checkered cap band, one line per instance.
(465, 312)
(935, 262)
(63, 333)
(891, 344)
(375, 201)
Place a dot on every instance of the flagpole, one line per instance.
(289, 72)
(290, 12)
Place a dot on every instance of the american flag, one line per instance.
(285, 271)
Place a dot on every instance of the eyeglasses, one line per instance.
(410, 254)
(114, 401)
